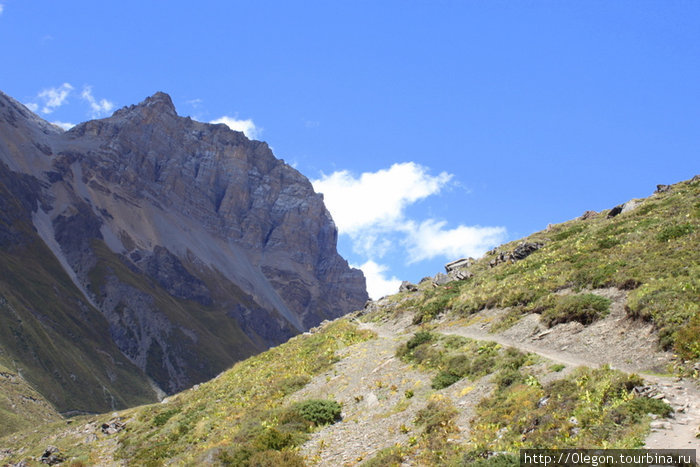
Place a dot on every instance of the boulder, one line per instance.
(441, 279)
(51, 456)
(462, 275)
(630, 205)
(615, 211)
(408, 287)
(588, 215)
(524, 250)
(459, 263)
(113, 426)
(662, 188)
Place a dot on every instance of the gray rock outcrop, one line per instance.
(196, 244)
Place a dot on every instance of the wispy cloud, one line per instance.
(431, 239)
(51, 98)
(371, 210)
(246, 126)
(65, 125)
(98, 107)
(2, 8)
(378, 284)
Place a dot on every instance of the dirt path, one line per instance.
(683, 395)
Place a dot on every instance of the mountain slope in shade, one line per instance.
(164, 247)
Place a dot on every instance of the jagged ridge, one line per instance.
(197, 246)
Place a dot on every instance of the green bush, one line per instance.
(273, 458)
(436, 416)
(444, 379)
(608, 242)
(387, 457)
(419, 338)
(273, 439)
(564, 234)
(584, 308)
(674, 231)
(319, 411)
(163, 417)
(414, 348)
(508, 377)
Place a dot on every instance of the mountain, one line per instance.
(146, 252)
(583, 335)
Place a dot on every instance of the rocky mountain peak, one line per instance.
(158, 102)
(158, 106)
(195, 243)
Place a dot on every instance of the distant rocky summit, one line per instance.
(147, 251)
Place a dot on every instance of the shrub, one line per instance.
(513, 358)
(319, 411)
(508, 377)
(275, 459)
(444, 379)
(163, 417)
(413, 349)
(563, 235)
(687, 343)
(419, 338)
(584, 308)
(273, 439)
(436, 416)
(292, 383)
(608, 242)
(387, 457)
(674, 231)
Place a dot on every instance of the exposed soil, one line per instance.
(371, 383)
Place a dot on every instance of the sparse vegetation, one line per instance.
(437, 422)
(458, 357)
(588, 408)
(245, 417)
(584, 308)
(318, 412)
(650, 251)
(388, 457)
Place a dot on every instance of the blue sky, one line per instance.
(436, 129)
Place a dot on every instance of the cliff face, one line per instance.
(197, 246)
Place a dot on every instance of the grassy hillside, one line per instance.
(238, 416)
(416, 390)
(651, 250)
(21, 407)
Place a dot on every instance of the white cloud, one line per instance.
(376, 198)
(52, 98)
(33, 106)
(65, 125)
(430, 239)
(99, 107)
(2, 7)
(371, 210)
(378, 285)
(246, 126)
